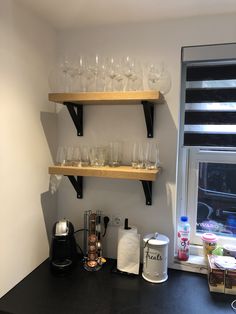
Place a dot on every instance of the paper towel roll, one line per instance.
(128, 250)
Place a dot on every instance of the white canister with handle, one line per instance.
(155, 258)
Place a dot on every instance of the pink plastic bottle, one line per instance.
(183, 238)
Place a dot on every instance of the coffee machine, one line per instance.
(63, 249)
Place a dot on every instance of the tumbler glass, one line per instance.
(84, 156)
(98, 156)
(137, 156)
(152, 160)
(115, 153)
(61, 156)
(76, 156)
(69, 155)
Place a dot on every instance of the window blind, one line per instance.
(210, 104)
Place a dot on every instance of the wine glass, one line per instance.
(112, 67)
(78, 83)
(119, 80)
(133, 73)
(91, 73)
(165, 80)
(100, 74)
(67, 74)
(153, 77)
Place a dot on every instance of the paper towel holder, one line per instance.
(114, 268)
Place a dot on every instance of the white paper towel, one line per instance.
(128, 250)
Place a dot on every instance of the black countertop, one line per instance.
(104, 292)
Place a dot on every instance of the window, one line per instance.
(211, 193)
(206, 182)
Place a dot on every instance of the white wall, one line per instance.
(26, 52)
(28, 131)
(156, 41)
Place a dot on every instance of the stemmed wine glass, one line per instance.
(79, 75)
(90, 73)
(100, 73)
(159, 78)
(112, 72)
(133, 73)
(67, 71)
(165, 80)
(153, 77)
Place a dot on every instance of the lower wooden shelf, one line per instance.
(122, 172)
(76, 174)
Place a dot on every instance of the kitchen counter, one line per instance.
(105, 292)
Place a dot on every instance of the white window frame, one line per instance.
(188, 158)
(197, 155)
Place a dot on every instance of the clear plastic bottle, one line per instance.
(183, 238)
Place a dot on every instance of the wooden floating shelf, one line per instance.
(122, 172)
(92, 98)
(75, 102)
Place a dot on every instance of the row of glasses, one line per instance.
(144, 155)
(94, 156)
(97, 73)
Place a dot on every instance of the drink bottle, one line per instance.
(183, 238)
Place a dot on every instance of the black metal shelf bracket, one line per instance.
(76, 113)
(147, 188)
(148, 108)
(77, 184)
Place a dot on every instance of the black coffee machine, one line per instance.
(63, 250)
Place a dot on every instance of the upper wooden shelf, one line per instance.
(122, 172)
(88, 98)
(75, 102)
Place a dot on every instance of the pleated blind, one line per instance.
(210, 104)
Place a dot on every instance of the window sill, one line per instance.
(195, 263)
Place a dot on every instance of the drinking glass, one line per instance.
(67, 71)
(61, 156)
(100, 74)
(78, 75)
(115, 153)
(133, 72)
(91, 73)
(153, 77)
(85, 156)
(112, 67)
(119, 82)
(76, 161)
(98, 156)
(152, 160)
(69, 155)
(165, 80)
(137, 156)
